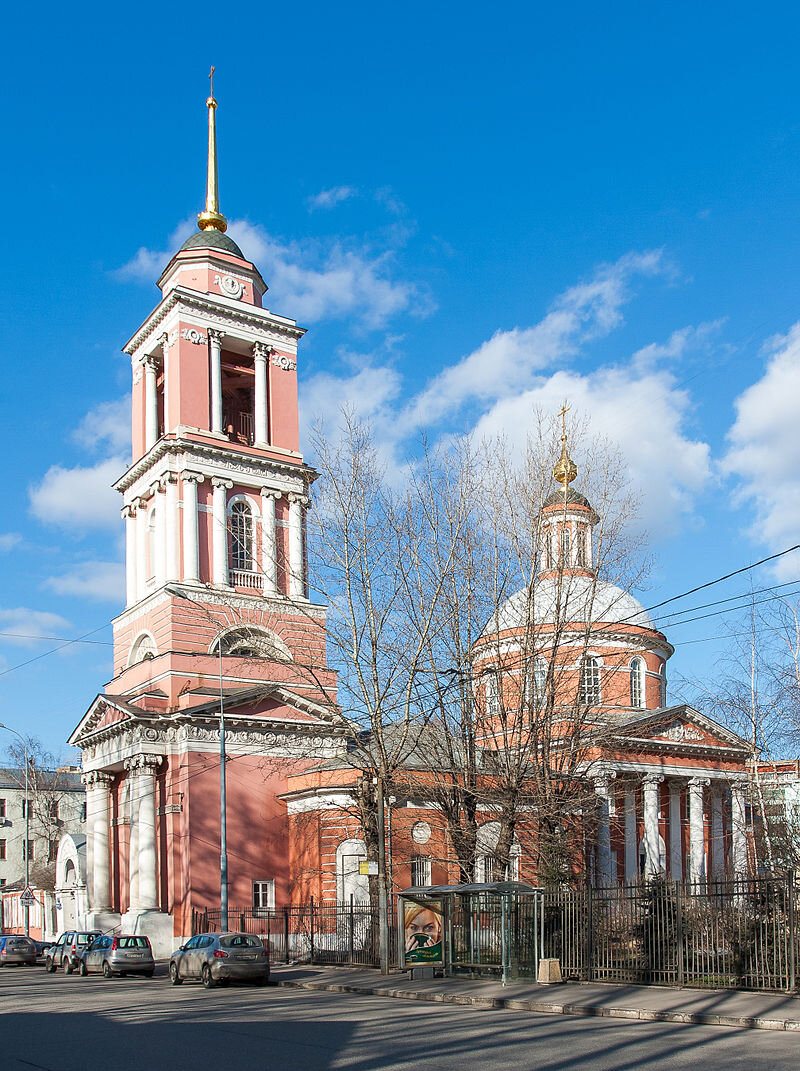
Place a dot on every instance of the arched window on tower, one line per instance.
(637, 682)
(492, 695)
(663, 684)
(591, 692)
(537, 682)
(252, 641)
(242, 541)
(580, 546)
(565, 547)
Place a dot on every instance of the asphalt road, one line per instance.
(60, 1023)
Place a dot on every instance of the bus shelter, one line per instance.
(480, 928)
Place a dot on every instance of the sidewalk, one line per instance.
(709, 1007)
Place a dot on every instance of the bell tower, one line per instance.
(215, 499)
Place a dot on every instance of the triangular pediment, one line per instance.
(105, 712)
(680, 727)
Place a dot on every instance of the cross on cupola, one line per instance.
(566, 520)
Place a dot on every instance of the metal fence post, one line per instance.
(352, 924)
(679, 932)
(588, 937)
(286, 933)
(311, 911)
(791, 891)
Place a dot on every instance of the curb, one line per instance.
(514, 1004)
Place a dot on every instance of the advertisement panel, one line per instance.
(423, 930)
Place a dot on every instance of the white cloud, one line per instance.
(108, 425)
(505, 364)
(27, 627)
(148, 264)
(9, 540)
(331, 198)
(80, 498)
(96, 580)
(764, 451)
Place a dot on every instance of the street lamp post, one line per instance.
(223, 801)
(26, 850)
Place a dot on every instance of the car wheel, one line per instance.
(107, 972)
(262, 980)
(174, 977)
(50, 966)
(205, 977)
(82, 970)
(68, 968)
(148, 974)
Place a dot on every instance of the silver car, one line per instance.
(17, 950)
(220, 957)
(124, 954)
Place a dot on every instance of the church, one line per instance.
(220, 679)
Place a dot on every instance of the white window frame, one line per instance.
(420, 868)
(638, 680)
(591, 685)
(263, 896)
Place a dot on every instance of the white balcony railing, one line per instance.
(244, 578)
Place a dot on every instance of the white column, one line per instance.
(150, 402)
(133, 836)
(215, 342)
(738, 830)
(297, 587)
(159, 567)
(652, 789)
(631, 847)
(172, 565)
(101, 864)
(260, 355)
(219, 538)
(148, 870)
(129, 513)
(164, 340)
(191, 554)
(269, 546)
(88, 781)
(697, 847)
(717, 842)
(675, 832)
(141, 548)
(602, 786)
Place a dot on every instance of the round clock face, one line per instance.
(420, 832)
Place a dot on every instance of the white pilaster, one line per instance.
(738, 830)
(133, 841)
(297, 585)
(651, 785)
(260, 356)
(142, 572)
(269, 546)
(150, 402)
(675, 832)
(172, 564)
(88, 781)
(131, 589)
(602, 786)
(191, 554)
(697, 847)
(159, 567)
(101, 864)
(148, 871)
(631, 847)
(215, 344)
(219, 538)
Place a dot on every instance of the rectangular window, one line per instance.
(2, 849)
(420, 871)
(2, 808)
(492, 696)
(27, 809)
(264, 895)
(29, 854)
(83, 811)
(2, 882)
(52, 851)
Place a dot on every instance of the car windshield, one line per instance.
(132, 942)
(240, 940)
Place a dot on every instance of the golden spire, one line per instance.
(212, 217)
(565, 469)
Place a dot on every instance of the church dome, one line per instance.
(574, 498)
(213, 239)
(581, 598)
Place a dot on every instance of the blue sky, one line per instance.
(475, 210)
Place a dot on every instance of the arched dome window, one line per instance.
(580, 546)
(637, 683)
(663, 685)
(590, 693)
(242, 537)
(565, 546)
(538, 681)
(143, 647)
(492, 695)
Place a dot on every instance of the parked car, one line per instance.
(17, 950)
(66, 952)
(220, 958)
(124, 954)
(41, 948)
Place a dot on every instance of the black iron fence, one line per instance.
(736, 934)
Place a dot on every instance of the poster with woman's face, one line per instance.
(422, 929)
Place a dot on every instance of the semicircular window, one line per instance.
(253, 642)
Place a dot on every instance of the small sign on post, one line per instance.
(368, 869)
(27, 899)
